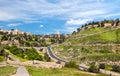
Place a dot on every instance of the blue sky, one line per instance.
(49, 16)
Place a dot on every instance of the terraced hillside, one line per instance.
(101, 43)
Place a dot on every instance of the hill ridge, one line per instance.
(85, 45)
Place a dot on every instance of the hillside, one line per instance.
(96, 41)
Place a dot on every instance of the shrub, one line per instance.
(32, 54)
(93, 68)
(6, 47)
(102, 66)
(116, 68)
(46, 57)
(71, 64)
(3, 53)
(1, 58)
(58, 62)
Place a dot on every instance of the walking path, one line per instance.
(111, 73)
(21, 71)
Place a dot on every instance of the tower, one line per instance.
(58, 33)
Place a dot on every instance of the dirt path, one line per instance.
(21, 71)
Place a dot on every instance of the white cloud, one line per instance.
(77, 21)
(64, 9)
(74, 12)
(13, 25)
(41, 26)
(4, 16)
(70, 29)
(72, 24)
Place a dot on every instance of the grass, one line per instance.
(111, 57)
(57, 72)
(108, 67)
(1, 58)
(92, 30)
(83, 53)
(71, 46)
(106, 37)
(41, 53)
(7, 70)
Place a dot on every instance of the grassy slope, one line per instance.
(7, 70)
(71, 48)
(110, 36)
(1, 58)
(57, 72)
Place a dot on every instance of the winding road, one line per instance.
(52, 55)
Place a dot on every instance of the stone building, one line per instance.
(107, 25)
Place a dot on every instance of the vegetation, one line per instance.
(93, 68)
(30, 54)
(95, 41)
(3, 55)
(57, 72)
(102, 66)
(71, 64)
(46, 57)
(103, 57)
(116, 68)
(1, 58)
(7, 70)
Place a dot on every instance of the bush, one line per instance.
(58, 62)
(46, 57)
(116, 68)
(6, 47)
(1, 58)
(32, 54)
(93, 68)
(71, 64)
(102, 66)
(3, 53)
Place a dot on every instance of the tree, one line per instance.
(12, 29)
(4, 37)
(117, 21)
(4, 53)
(93, 68)
(102, 24)
(102, 66)
(78, 29)
(71, 64)
(33, 55)
(116, 68)
(46, 57)
(74, 32)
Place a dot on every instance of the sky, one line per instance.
(49, 16)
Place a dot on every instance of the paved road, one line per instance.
(21, 71)
(51, 54)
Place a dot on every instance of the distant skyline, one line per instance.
(50, 16)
